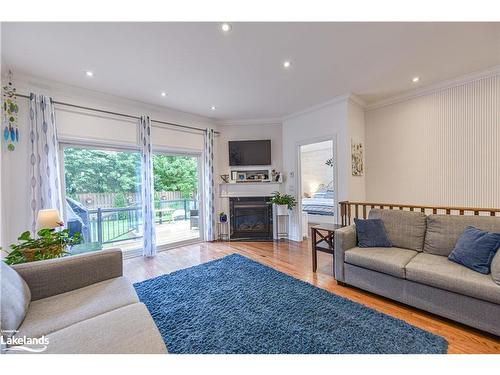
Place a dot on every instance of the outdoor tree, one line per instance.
(175, 173)
(101, 171)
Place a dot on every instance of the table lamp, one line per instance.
(48, 219)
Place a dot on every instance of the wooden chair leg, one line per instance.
(313, 251)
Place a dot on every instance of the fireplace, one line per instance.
(251, 219)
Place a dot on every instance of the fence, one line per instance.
(108, 200)
(108, 225)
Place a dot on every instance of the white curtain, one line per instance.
(148, 212)
(44, 157)
(209, 186)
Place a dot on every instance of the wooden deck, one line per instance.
(166, 233)
(295, 259)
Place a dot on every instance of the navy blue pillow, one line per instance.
(475, 249)
(371, 233)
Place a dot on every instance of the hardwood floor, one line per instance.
(295, 259)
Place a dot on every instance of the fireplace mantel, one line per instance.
(248, 189)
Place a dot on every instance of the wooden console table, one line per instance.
(322, 239)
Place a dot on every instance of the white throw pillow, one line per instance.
(16, 297)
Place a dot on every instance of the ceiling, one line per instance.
(241, 72)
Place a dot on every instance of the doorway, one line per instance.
(317, 184)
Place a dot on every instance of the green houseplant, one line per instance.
(49, 244)
(283, 202)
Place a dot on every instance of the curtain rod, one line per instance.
(119, 114)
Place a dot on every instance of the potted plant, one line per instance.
(48, 245)
(283, 202)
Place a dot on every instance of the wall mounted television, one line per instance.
(250, 152)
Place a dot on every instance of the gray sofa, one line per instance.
(81, 304)
(416, 270)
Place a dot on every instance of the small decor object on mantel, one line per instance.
(357, 158)
(10, 110)
(222, 217)
(224, 178)
(283, 202)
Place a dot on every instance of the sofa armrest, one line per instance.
(345, 239)
(46, 278)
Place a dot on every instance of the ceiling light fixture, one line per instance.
(286, 64)
(163, 94)
(226, 27)
(415, 79)
(88, 73)
(213, 108)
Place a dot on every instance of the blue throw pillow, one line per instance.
(475, 249)
(371, 233)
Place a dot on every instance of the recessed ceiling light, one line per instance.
(163, 93)
(286, 64)
(415, 79)
(88, 73)
(213, 108)
(226, 27)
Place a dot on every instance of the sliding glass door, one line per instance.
(177, 203)
(103, 197)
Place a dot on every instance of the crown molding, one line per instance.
(337, 99)
(357, 100)
(433, 88)
(279, 120)
(257, 121)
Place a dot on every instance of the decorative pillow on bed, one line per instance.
(475, 249)
(371, 233)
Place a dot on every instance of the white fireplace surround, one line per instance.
(248, 189)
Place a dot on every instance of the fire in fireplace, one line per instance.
(251, 218)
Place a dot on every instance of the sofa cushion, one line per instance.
(371, 233)
(495, 268)
(62, 310)
(443, 231)
(127, 330)
(16, 297)
(388, 260)
(475, 249)
(439, 272)
(405, 229)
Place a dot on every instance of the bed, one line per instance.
(321, 203)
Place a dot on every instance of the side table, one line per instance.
(322, 239)
(223, 229)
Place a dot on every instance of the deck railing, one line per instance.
(108, 225)
(349, 210)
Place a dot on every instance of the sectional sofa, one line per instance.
(416, 270)
(81, 304)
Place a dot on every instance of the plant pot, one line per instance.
(281, 209)
(55, 251)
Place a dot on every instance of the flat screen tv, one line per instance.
(250, 152)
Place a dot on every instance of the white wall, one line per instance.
(441, 148)
(78, 125)
(356, 129)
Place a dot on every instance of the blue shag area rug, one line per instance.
(236, 305)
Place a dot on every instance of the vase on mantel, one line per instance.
(281, 209)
